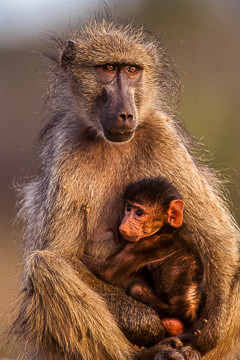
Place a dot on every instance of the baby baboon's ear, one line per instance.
(175, 213)
(68, 54)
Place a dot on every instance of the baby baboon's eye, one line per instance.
(128, 207)
(139, 212)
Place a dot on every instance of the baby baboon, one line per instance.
(159, 244)
(113, 121)
(153, 217)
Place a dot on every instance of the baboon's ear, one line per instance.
(175, 213)
(68, 53)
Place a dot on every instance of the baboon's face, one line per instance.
(110, 80)
(118, 112)
(141, 220)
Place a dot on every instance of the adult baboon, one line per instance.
(112, 121)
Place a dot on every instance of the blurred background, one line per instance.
(203, 37)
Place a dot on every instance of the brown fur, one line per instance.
(58, 314)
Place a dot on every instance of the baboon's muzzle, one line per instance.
(118, 116)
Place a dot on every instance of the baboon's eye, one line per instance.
(132, 69)
(128, 207)
(109, 67)
(139, 212)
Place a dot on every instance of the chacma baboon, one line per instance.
(156, 240)
(112, 122)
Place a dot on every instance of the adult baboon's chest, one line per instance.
(103, 194)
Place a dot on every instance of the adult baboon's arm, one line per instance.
(57, 306)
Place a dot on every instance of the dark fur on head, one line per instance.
(158, 190)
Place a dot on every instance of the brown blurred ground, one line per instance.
(205, 43)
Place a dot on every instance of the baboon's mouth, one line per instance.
(119, 135)
(119, 131)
